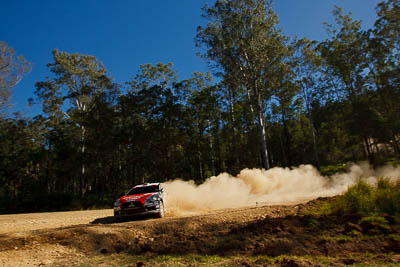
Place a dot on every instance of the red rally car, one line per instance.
(141, 199)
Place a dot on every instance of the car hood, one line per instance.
(139, 197)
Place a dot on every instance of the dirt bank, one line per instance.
(71, 238)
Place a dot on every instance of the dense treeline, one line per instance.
(271, 101)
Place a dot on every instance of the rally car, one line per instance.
(141, 199)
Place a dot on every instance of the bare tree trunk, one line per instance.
(283, 151)
(210, 142)
(234, 134)
(288, 141)
(315, 147)
(264, 150)
(369, 152)
(376, 146)
(82, 178)
(200, 166)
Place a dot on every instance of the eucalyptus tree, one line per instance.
(203, 119)
(387, 26)
(383, 64)
(344, 55)
(69, 96)
(285, 111)
(21, 150)
(12, 69)
(232, 117)
(156, 99)
(244, 45)
(311, 80)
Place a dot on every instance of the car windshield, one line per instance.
(143, 190)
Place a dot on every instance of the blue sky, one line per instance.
(126, 33)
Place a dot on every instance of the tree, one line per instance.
(246, 48)
(344, 55)
(387, 27)
(156, 99)
(310, 78)
(79, 79)
(12, 69)
(383, 61)
(203, 123)
(21, 148)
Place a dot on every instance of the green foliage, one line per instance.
(329, 170)
(124, 259)
(247, 48)
(358, 198)
(366, 199)
(325, 209)
(375, 224)
(387, 197)
(276, 102)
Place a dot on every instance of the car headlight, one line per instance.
(152, 199)
(117, 203)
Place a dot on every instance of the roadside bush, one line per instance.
(330, 170)
(387, 197)
(366, 199)
(359, 198)
(374, 224)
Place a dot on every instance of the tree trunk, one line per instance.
(82, 175)
(200, 167)
(288, 142)
(234, 134)
(264, 150)
(315, 147)
(395, 145)
(283, 160)
(369, 152)
(210, 143)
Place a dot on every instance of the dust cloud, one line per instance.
(266, 187)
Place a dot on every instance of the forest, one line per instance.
(268, 100)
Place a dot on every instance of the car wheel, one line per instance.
(117, 218)
(161, 212)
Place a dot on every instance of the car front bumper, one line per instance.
(144, 210)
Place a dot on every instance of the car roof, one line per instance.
(146, 184)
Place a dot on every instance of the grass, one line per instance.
(376, 222)
(338, 238)
(126, 260)
(156, 260)
(366, 199)
(393, 161)
(330, 170)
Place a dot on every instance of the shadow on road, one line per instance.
(104, 220)
(112, 219)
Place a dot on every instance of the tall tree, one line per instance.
(156, 98)
(310, 78)
(12, 69)
(383, 61)
(203, 122)
(344, 55)
(245, 46)
(78, 80)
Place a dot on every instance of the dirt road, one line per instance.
(71, 238)
(66, 238)
(18, 223)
